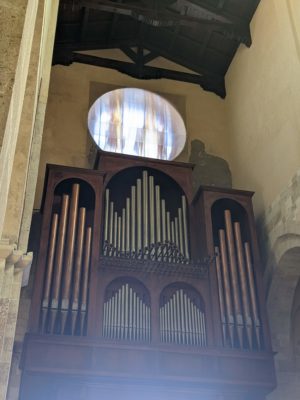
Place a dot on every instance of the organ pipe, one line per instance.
(244, 282)
(70, 246)
(139, 214)
(119, 233)
(185, 225)
(49, 269)
(221, 293)
(123, 229)
(158, 213)
(227, 286)
(126, 316)
(133, 214)
(78, 264)
(148, 230)
(234, 276)
(86, 266)
(66, 284)
(60, 250)
(180, 228)
(254, 304)
(115, 231)
(163, 221)
(145, 209)
(50, 261)
(236, 287)
(106, 215)
(127, 237)
(151, 206)
(181, 321)
(111, 223)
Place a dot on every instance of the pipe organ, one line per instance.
(143, 288)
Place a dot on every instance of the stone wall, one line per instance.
(11, 27)
(280, 243)
(12, 264)
(23, 65)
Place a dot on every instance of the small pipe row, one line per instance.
(181, 321)
(126, 316)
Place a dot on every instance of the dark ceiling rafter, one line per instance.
(84, 23)
(206, 82)
(199, 35)
(229, 25)
(114, 22)
(237, 29)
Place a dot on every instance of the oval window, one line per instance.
(137, 122)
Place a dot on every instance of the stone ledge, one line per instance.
(10, 255)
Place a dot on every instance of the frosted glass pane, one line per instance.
(137, 122)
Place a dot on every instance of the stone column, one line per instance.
(12, 121)
(27, 69)
(12, 264)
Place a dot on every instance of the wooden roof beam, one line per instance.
(235, 28)
(207, 82)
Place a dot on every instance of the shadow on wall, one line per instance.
(209, 170)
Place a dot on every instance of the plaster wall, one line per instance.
(65, 139)
(263, 101)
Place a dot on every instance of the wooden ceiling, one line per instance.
(200, 35)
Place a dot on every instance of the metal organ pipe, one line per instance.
(252, 286)
(151, 201)
(145, 209)
(158, 213)
(66, 284)
(50, 261)
(221, 293)
(78, 264)
(133, 214)
(181, 321)
(123, 230)
(147, 229)
(70, 251)
(127, 237)
(49, 270)
(236, 287)
(126, 316)
(60, 250)
(139, 214)
(244, 284)
(234, 276)
(185, 225)
(227, 288)
(106, 215)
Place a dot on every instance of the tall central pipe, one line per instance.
(139, 214)
(133, 214)
(145, 209)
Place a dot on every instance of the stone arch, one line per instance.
(283, 287)
(284, 314)
(295, 328)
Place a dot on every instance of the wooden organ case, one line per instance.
(143, 292)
